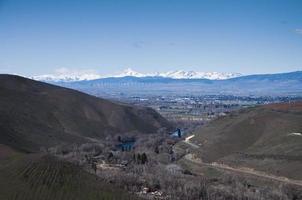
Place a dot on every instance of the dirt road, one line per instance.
(248, 171)
(187, 141)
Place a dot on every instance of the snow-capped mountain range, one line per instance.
(66, 75)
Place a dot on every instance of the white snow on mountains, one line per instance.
(66, 75)
(179, 74)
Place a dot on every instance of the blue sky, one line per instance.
(246, 36)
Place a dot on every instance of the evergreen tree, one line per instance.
(139, 158)
(144, 158)
(156, 150)
(110, 155)
(179, 133)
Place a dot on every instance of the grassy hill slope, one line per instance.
(35, 177)
(261, 137)
(35, 114)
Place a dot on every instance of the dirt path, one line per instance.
(187, 141)
(248, 171)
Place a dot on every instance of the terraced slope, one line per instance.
(35, 114)
(36, 177)
(264, 138)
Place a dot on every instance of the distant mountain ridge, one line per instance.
(65, 75)
(283, 84)
(181, 74)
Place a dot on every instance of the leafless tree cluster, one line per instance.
(148, 171)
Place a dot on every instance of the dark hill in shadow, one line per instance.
(35, 114)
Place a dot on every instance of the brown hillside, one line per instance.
(37, 176)
(35, 114)
(264, 137)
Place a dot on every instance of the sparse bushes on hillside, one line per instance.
(146, 170)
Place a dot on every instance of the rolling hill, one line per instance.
(266, 138)
(35, 114)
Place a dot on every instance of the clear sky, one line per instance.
(246, 36)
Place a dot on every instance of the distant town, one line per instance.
(198, 109)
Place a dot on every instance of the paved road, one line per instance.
(191, 158)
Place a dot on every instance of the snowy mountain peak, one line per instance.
(130, 72)
(67, 75)
(180, 74)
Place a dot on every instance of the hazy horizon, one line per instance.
(95, 74)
